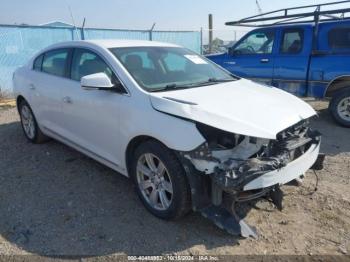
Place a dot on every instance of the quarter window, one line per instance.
(55, 62)
(292, 41)
(38, 63)
(87, 63)
(259, 42)
(339, 38)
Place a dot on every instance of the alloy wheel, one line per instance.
(344, 108)
(28, 122)
(154, 181)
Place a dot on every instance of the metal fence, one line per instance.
(19, 43)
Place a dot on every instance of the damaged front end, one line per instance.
(236, 168)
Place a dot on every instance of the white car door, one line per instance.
(91, 117)
(48, 76)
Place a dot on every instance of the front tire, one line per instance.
(160, 181)
(29, 124)
(340, 107)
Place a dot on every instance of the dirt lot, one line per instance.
(55, 201)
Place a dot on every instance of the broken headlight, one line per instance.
(217, 138)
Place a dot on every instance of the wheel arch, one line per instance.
(337, 84)
(133, 144)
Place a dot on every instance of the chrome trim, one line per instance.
(288, 80)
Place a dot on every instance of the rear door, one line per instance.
(252, 57)
(49, 76)
(292, 61)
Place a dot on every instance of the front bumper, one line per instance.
(222, 179)
(288, 173)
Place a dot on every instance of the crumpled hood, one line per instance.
(241, 107)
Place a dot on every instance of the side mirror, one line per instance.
(231, 51)
(98, 81)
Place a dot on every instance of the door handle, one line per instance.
(230, 62)
(32, 87)
(264, 60)
(67, 100)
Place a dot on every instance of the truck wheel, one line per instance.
(340, 107)
(160, 181)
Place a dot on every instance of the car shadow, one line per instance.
(335, 138)
(56, 202)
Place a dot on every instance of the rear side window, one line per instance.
(38, 63)
(86, 63)
(292, 41)
(55, 62)
(339, 38)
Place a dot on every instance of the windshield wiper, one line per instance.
(216, 80)
(171, 87)
(210, 81)
(213, 81)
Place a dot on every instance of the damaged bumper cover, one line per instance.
(252, 163)
(288, 173)
(266, 172)
(231, 168)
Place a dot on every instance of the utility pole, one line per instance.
(210, 33)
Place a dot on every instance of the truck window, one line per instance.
(339, 38)
(258, 42)
(292, 41)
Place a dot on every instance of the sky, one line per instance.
(141, 14)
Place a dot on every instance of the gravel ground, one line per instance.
(55, 201)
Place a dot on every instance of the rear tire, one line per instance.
(29, 124)
(340, 107)
(165, 193)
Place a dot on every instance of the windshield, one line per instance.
(169, 68)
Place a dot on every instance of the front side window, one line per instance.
(38, 63)
(292, 41)
(339, 38)
(55, 62)
(169, 68)
(86, 63)
(259, 42)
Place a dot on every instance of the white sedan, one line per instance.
(189, 134)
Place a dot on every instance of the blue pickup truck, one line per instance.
(304, 58)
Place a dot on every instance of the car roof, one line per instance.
(114, 43)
